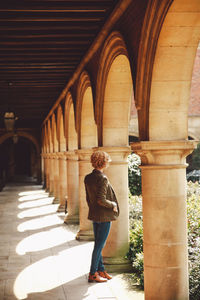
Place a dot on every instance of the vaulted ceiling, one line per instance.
(41, 44)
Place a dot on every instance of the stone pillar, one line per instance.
(56, 178)
(117, 244)
(43, 179)
(85, 167)
(51, 175)
(72, 216)
(164, 218)
(46, 169)
(62, 183)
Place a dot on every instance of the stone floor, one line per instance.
(39, 256)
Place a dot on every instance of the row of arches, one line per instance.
(95, 113)
(89, 121)
(98, 117)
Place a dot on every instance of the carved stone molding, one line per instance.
(164, 153)
(118, 154)
(71, 155)
(153, 21)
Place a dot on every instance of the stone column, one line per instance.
(46, 169)
(85, 167)
(72, 216)
(43, 179)
(51, 176)
(164, 218)
(56, 178)
(62, 182)
(117, 244)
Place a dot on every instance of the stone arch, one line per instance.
(86, 126)
(70, 128)
(172, 71)
(54, 133)
(114, 93)
(60, 130)
(27, 135)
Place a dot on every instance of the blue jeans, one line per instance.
(101, 231)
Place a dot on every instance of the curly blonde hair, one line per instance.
(99, 159)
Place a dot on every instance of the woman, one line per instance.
(103, 208)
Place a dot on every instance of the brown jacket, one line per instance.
(100, 197)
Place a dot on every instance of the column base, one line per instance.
(71, 219)
(61, 208)
(55, 201)
(85, 235)
(117, 265)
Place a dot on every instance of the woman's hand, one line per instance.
(115, 207)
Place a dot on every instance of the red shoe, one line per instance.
(104, 274)
(96, 278)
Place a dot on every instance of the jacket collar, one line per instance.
(97, 171)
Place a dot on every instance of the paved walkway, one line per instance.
(39, 256)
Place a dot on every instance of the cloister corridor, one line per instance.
(40, 257)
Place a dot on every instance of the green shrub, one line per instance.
(135, 253)
(193, 211)
(134, 174)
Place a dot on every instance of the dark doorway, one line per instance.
(18, 161)
(22, 157)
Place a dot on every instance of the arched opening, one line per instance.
(54, 134)
(72, 139)
(117, 101)
(194, 116)
(88, 125)
(172, 72)
(60, 131)
(19, 160)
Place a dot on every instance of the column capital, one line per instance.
(61, 155)
(167, 153)
(71, 155)
(50, 155)
(54, 156)
(84, 154)
(118, 154)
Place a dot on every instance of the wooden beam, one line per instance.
(53, 19)
(114, 17)
(55, 10)
(74, 36)
(44, 43)
(51, 27)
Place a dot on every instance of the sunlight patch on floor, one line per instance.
(33, 192)
(41, 222)
(53, 271)
(32, 197)
(44, 240)
(38, 211)
(44, 200)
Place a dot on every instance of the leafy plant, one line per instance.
(135, 253)
(134, 174)
(193, 211)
